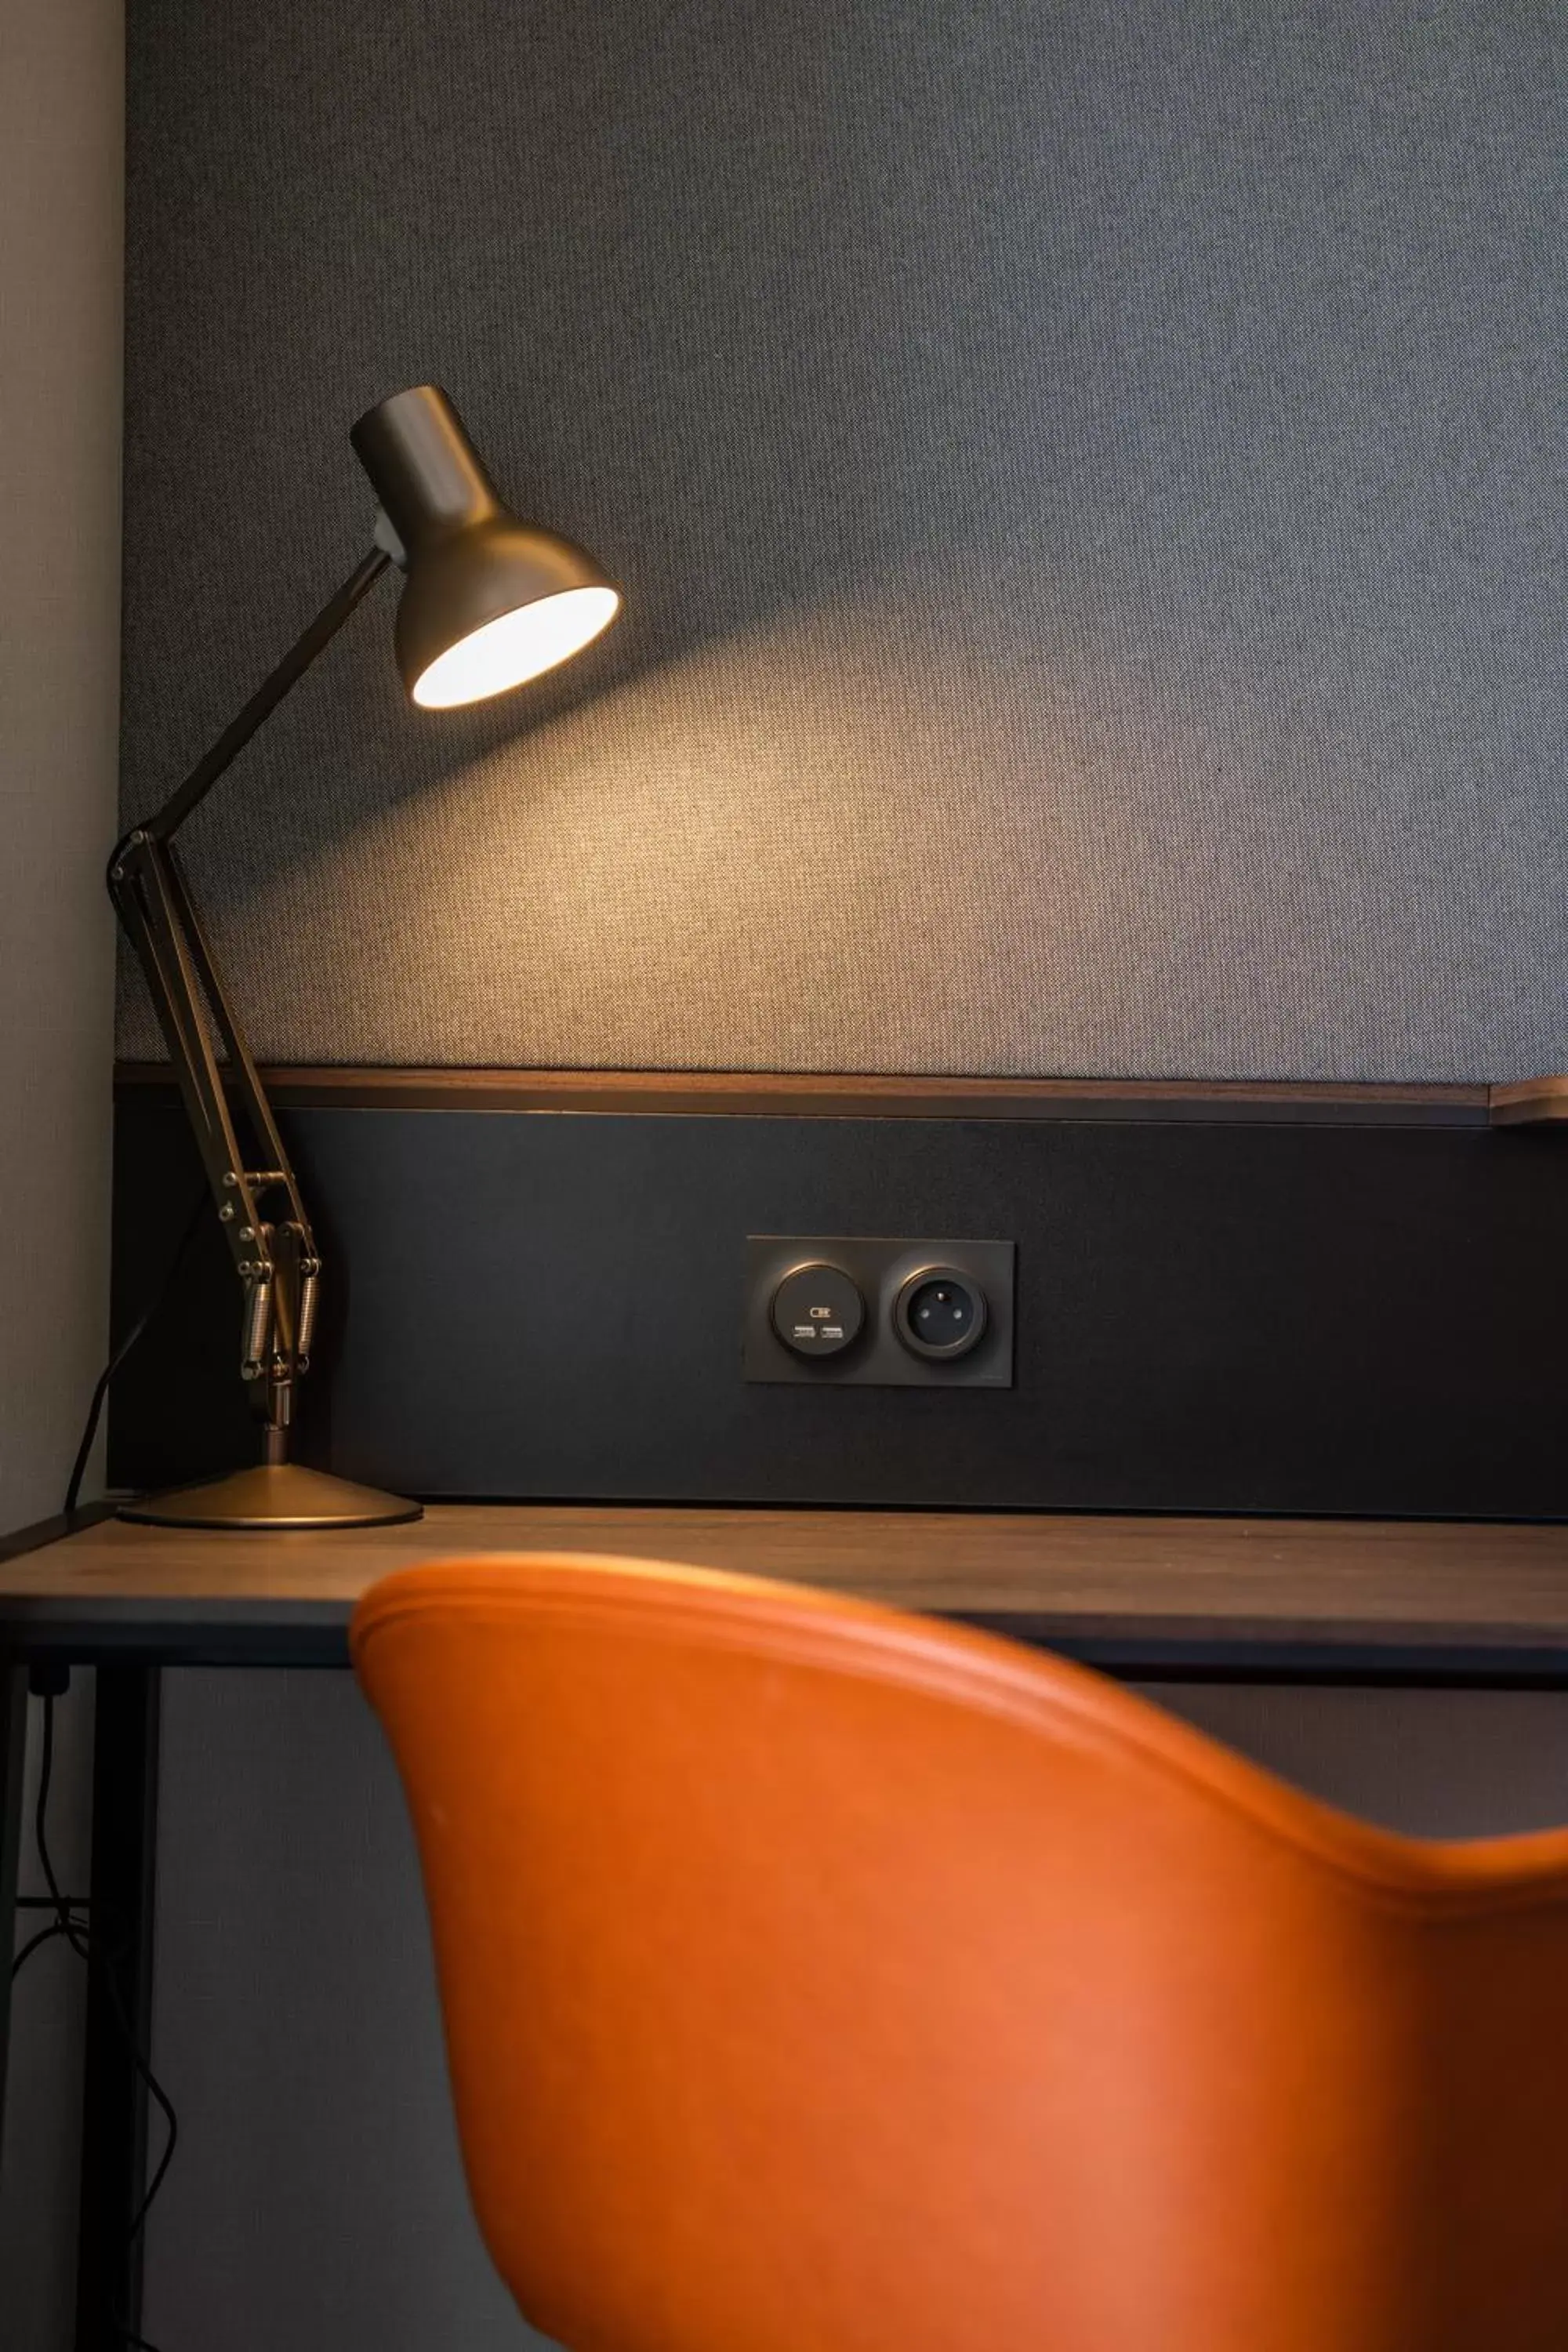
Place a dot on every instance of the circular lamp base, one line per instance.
(270, 1498)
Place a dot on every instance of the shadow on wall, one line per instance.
(1079, 478)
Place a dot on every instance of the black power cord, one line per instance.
(71, 1921)
(71, 1915)
(105, 1378)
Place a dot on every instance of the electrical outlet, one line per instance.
(864, 1311)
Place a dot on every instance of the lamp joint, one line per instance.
(386, 538)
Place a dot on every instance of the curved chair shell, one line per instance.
(822, 1980)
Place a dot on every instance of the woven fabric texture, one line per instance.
(1086, 479)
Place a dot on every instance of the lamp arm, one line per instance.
(258, 1206)
(167, 821)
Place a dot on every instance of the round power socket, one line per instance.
(817, 1311)
(941, 1313)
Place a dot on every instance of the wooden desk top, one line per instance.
(1303, 1598)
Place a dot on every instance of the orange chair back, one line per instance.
(819, 1980)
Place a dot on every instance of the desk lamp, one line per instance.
(487, 603)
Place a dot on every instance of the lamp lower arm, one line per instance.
(259, 1208)
(257, 1201)
(259, 1205)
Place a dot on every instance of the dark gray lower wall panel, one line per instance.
(317, 2200)
(1214, 1317)
(42, 2144)
(1453, 1764)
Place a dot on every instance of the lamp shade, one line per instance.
(488, 601)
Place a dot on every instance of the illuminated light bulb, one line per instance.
(521, 644)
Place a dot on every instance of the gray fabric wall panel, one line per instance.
(1088, 480)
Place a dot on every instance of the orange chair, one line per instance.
(820, 1979)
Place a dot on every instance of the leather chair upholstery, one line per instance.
(822, 1980)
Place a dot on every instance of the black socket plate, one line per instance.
(878, 1267)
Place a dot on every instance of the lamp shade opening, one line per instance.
(488, 601)
(517, 646)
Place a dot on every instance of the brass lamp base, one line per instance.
(272, 1496)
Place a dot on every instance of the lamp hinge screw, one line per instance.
(226, 1211)
(230, 1178)
(247, 1233)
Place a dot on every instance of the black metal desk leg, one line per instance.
(120, 2009)
(13, 1753)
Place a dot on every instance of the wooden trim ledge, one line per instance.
(731, 1094)
(1530, 1102)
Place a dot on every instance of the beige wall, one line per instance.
(61, 184)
